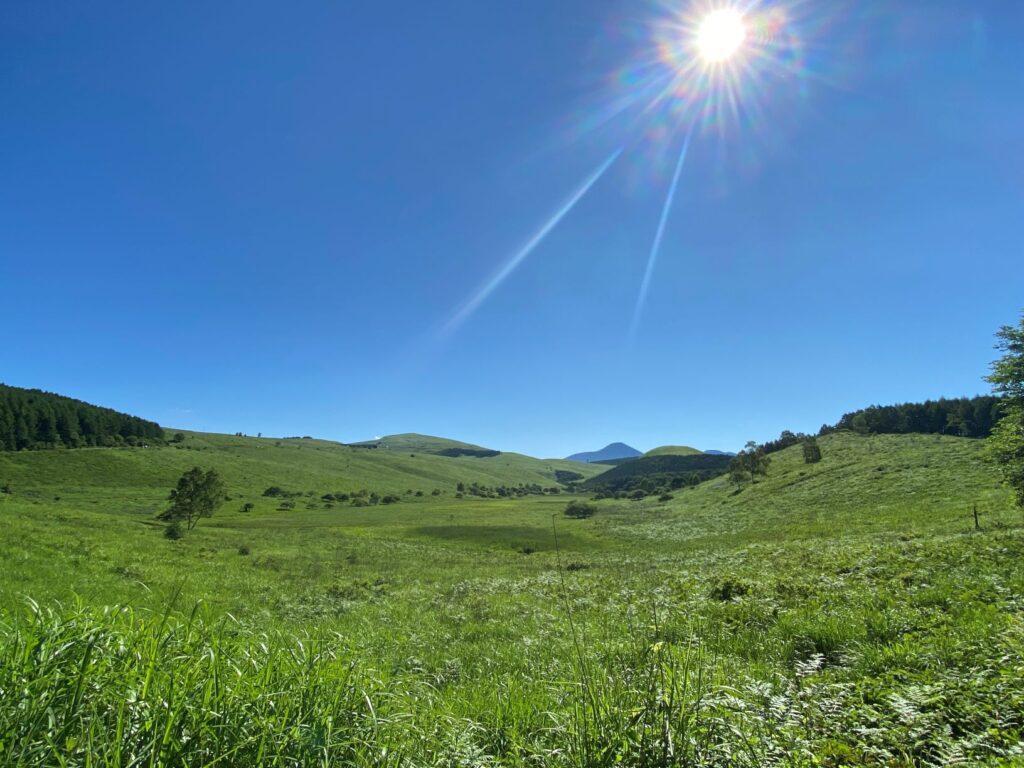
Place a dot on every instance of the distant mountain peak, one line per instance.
(610, 451)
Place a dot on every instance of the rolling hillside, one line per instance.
(862, 485)
(142, 476)
(658, 470)
(412, 442)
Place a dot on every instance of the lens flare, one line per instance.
(733, 72)
(474, 302)
(729, 73)
(721, 34)
(656, 246)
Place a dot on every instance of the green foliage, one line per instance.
(31, 419)
(785, 440)
(1007, 377)
(811, 450)
(1006, 445)
(580, 509)
(966, 417)
(197, 495)
(749, 463)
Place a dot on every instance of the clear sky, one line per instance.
(313, 218)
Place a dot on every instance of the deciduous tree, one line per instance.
(750, 461)
(198, 494)
(1006, 444)
(580, 509)
(812, 451)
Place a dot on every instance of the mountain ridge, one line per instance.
(610, 451)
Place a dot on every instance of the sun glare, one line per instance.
(720, 35)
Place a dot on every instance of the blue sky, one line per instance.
(261, 217)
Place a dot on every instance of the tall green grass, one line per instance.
(839, 614)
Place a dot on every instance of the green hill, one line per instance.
(249, 465)
(862, 484)
(412, 442)
(659, 471)
(673, 450)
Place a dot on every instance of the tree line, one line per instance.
(962, 416)
(31, 419)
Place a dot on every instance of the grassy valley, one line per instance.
(839, 613)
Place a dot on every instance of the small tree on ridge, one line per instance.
(750, 461)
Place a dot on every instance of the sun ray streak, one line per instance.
(659, 234)
(474, 302)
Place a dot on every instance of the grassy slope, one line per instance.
(249, 465)
(862, 485)
(411, 441)
(858, 580)
(70, 506)
(672, 450)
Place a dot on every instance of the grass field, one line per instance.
(842, 613)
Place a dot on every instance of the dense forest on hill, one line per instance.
(31, 419)
(962, 416)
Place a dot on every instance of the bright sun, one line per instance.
(721, 34)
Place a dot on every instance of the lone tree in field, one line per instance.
(751, 461)
(1006, 445)
(812, 451)
(580, 509)
(198, 494)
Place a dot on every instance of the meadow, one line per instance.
(841, 613)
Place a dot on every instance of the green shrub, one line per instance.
(580, 509)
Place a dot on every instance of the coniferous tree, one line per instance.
(32, 419)
(964, 417)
